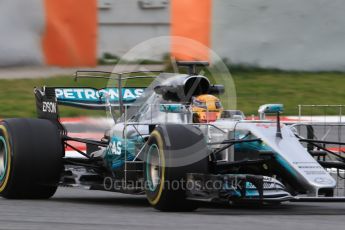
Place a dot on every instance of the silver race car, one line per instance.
(172, 141)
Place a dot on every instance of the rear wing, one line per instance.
(48, 98)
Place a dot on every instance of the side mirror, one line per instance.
(216, 89)
(270, 108)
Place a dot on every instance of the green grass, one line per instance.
(253, 86)
(17, 97)
(289, 88)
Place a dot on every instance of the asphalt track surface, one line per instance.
(81, 209)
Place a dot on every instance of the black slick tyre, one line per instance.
(173, 151)
(31, 154)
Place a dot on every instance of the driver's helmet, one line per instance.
(206, 108)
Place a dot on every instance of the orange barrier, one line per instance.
(70, 37)
(191, 19)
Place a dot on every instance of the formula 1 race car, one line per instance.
(172, 141)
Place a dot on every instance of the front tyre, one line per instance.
(172, 152)
(31, 154)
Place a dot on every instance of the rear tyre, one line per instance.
(172, 152)
(31, 154)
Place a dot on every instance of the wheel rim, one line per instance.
(153, 170)
(3, 158)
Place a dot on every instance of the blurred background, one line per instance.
(278, 51)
